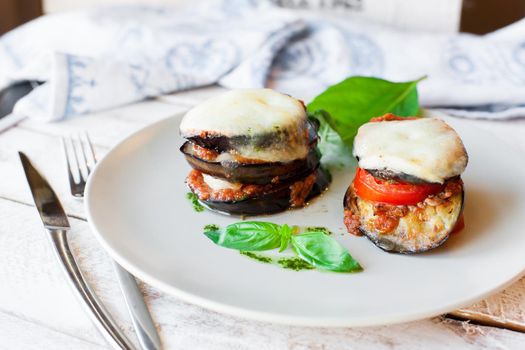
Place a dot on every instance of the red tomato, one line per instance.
(391, 192)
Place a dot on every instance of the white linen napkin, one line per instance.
(103, 58)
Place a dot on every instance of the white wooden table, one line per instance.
(38, 310)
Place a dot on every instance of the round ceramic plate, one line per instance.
(136, 204)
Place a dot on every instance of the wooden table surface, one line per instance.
(38, 310)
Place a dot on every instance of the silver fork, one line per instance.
(77, 177)
(79, 168)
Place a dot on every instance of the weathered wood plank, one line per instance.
(34, 289)
(16, 333)
(182, 325)
(41, 142)
(506, 309)
(107, 128)
(46, 153)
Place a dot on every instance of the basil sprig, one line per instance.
(323, 252)
(315, 247)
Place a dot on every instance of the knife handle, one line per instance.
(97, 312)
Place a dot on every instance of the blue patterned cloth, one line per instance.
(99, 59)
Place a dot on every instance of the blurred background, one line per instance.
(72, 58)
(471, 16)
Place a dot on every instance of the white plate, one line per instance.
(137, 208)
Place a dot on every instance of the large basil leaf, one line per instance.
(352, 102)
(335, 154)
(323, 252)
(247, 235)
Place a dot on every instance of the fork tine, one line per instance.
(75, 157)
(84, 158)
(68, 164)
(89, 153)
(80, 160)
(91, 148)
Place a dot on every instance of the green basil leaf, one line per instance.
(286, 233)
(247, 235)
(335, 154)
(324, 252)
(352, 102)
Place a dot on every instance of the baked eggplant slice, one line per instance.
(276, 200)
(278, 136)
(254, 173)
(282, 136)
(386, 174)
(419, 227)
(256, 124)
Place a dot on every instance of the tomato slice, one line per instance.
(391, 192)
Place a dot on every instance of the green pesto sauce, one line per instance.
(295, 264)
(211, 227)
(318, 229)
(192, 197)
(261, 258)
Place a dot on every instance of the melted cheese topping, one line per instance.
(243, 112)
(253, 114)
(220, 184)
(426, 148)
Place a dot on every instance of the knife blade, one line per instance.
(46, 201)
(56, 224)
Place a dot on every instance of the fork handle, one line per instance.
(140, 316)
(97, 312)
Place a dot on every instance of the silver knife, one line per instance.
(57, 225)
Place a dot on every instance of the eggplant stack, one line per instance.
(407, 194)
(252, 152)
